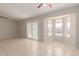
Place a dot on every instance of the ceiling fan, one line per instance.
(3, 17)
(45, 4)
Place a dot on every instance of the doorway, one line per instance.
(32, 30)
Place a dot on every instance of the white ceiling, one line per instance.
(19, 11)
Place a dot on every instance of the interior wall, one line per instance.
(77, 31)
(8, 28)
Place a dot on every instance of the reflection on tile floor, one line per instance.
(26, 47)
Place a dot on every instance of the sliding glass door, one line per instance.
(32, 30)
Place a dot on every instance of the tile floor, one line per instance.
(26, 47)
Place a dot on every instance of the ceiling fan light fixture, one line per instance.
(50, 5)
(44, 4)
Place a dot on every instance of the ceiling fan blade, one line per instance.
(3, 17)
(50, 5)
(40, 5)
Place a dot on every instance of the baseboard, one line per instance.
(8, 37)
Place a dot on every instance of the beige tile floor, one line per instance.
(26, 47)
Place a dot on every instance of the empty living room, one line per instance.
(39, 29)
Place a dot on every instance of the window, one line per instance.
(49, 27)
(67, 29)
(58, 27)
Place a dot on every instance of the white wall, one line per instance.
(77, 30)
(43, 32)
(8, 28)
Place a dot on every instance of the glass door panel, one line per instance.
(32, 30)
(29, 32)
(35, 31)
